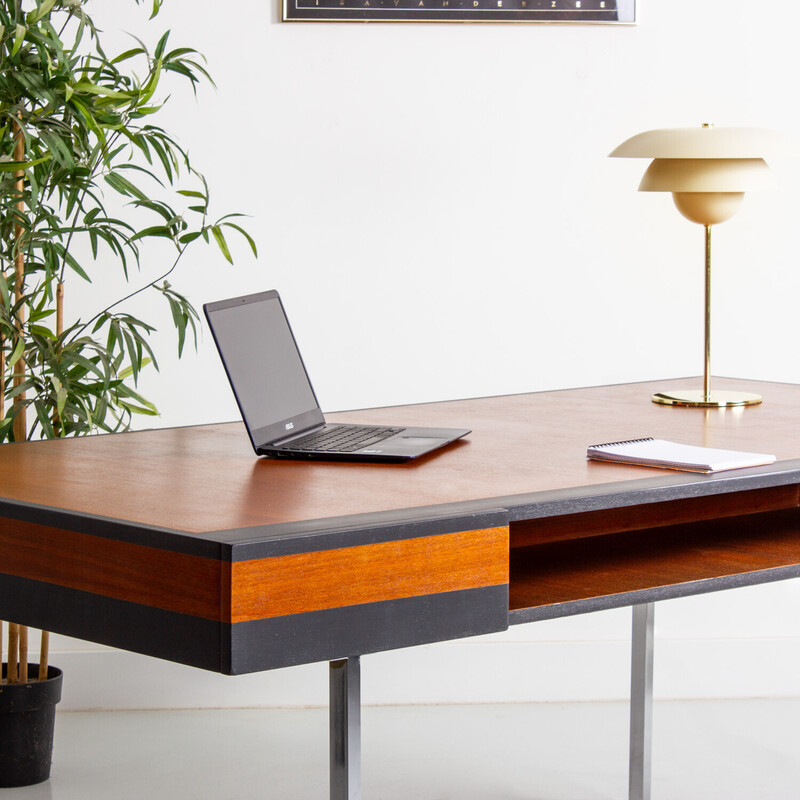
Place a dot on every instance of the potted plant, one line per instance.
(88, 183)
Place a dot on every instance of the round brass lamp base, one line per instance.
(698, 398)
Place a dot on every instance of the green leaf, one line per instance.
(72, 263)
(61, 400)
(158, 53)
(86, 87)
(19, 349)
(220, 239)
(124, 186)
(58, 147)
(4, 293)
(19, 38)
(85, 363)
(156, 230)
(41, 12)
(40, 330)
(21, 388)
(149, 411)
(128, 371)
(15, 166)
(246, 236)
(43, 413)
(180, 320)
(132, 53)
(40, 312)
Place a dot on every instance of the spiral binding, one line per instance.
(617, 444)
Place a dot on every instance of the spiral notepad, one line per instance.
(651, 452)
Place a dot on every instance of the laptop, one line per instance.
(277, 403)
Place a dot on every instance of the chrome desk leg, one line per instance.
(345, 729)
(641, 702)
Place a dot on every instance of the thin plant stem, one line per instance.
(59, 332)
(20, 421)
(74, 224)
(59, 308)
(44, 655)
(132, 294)
(23, 654)
(13, 652)
(44, 646)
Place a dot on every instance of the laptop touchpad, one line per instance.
(410, 445)
(417, 442)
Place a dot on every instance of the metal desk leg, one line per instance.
(345, 728)
(641, 702)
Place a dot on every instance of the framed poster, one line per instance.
(573, 11)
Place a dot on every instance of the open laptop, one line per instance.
(275, 397)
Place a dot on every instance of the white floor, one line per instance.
(707, 749)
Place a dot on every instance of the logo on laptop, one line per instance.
(289, 426)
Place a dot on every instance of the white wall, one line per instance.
(439, 197)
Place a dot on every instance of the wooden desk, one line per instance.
(180, 544)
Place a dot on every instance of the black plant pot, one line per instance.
(27, 722)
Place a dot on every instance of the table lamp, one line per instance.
(708, 170)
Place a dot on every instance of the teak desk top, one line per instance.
(181, 544)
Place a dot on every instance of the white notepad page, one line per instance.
(674, 455)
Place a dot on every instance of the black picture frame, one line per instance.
(542, 11)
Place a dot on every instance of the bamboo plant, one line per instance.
(88, 185)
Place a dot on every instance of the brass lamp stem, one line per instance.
(707, 372)
(703, 397)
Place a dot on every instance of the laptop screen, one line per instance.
(264, 366)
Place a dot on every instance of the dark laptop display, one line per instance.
(278, 405)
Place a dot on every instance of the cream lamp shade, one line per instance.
(707, 170)
(718, 164)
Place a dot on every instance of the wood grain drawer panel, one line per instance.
(145, 575)
(304, 582)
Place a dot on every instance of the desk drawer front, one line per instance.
(148, 576)
(328, 604)
(296, 584)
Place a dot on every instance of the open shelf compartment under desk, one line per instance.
(576, 575)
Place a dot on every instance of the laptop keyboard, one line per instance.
(342, 439)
